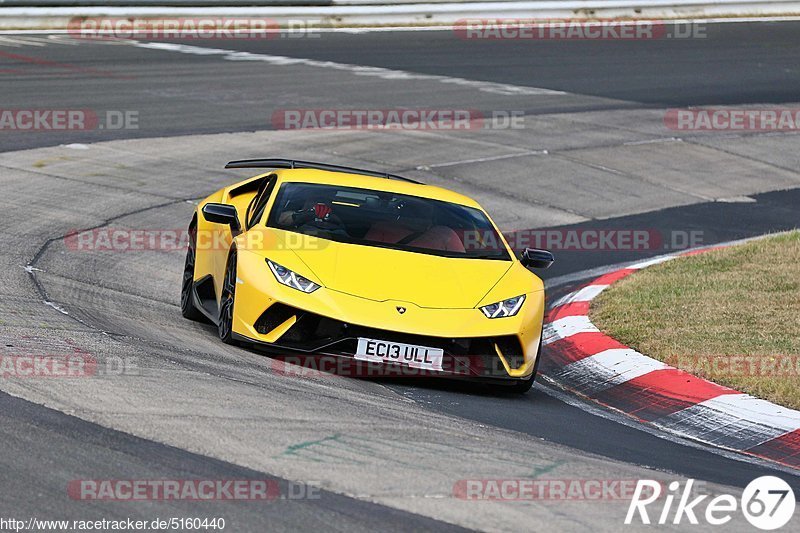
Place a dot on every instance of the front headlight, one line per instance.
(291, 279)
(505, 308)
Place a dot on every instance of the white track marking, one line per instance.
(734, 421)
(358, 70)
(651, 262)
(756, 409)
(16, 42)
(586, 294)
(9, 42)
(607, 369)
(64, 39)
(654, 141)
(567, 327)
(53, 305)
(34, 41)
(484, 159)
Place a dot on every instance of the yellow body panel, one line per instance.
(382, 274)
(364, 285)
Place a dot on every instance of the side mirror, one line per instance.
(535, 258)
(222, 214)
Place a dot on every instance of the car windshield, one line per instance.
(387, 220)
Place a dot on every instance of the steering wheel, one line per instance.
(320, 216)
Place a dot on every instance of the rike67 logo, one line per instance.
(767, 503)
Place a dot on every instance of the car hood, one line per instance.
(383, 274)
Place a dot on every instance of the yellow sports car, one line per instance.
(367, 268)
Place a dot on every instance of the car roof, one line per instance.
(346, 179)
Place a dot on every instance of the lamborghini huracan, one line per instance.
(364, 266)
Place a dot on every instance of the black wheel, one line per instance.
(225, 325)
(523, 386)
(188, 310)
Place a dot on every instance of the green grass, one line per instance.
(730, 315)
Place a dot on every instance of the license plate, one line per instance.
(396, 352)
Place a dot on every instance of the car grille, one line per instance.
(315, 333)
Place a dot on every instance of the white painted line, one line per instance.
(484, 159)
(567, 327)
(719, 422)
(20, 41)
(586, 294)
(63, 39)
(651, 262)
(755, 409)
(53, 305)
(736, 200)
(653, 141)
(358, 70)
(607, 369)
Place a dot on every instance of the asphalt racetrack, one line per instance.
(591, 151)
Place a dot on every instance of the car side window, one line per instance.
(260, 201)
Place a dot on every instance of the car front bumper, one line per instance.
(329, 323)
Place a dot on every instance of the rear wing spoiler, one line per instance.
(290, 163)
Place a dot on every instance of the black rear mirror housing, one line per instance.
(536, 258)
(222, 214)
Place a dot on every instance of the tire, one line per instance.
(188, 310)
(523, 386)
(227, 300)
